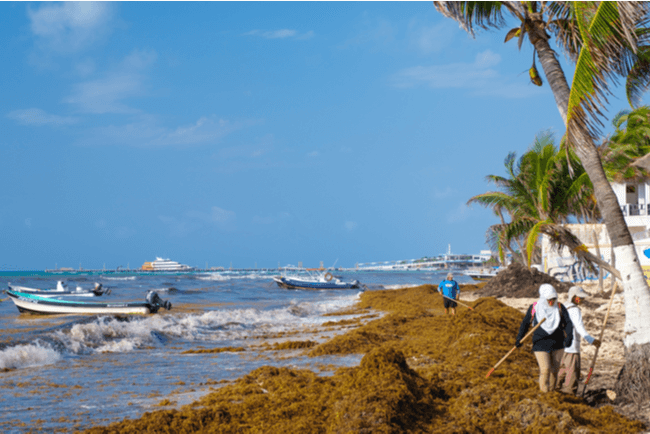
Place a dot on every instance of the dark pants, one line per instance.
(450, 303)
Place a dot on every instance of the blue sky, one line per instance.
(253, 133)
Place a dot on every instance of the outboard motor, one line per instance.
(99, 290)
(155, 302)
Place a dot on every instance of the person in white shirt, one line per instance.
(569, 373)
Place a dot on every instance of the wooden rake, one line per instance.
(515, 347)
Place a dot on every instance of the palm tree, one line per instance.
(629, 143)
(539, 195)
(606, 40)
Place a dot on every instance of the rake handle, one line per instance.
(515, 347)
(462, 304)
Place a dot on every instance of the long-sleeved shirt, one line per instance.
(578, 329)
(449, 288)
(561, 338)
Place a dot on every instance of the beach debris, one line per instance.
(515, 347)
(520, 282)
(422, 372)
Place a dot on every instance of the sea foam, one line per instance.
(23, 356)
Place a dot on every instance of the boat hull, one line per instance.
(29, 303)
(288, 283)
(54, 292)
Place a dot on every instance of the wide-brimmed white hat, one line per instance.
(577, 291)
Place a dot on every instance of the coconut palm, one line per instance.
(606, 40)
(539, 194)
(629, 142)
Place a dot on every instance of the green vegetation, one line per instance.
(544, 188)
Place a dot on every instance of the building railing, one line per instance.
(633, 209)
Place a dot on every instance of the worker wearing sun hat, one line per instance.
(552, 336)
(569, 373)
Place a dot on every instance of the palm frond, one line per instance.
(471, 14)
(638, 79)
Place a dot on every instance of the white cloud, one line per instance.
(38, 117)
(480, 77)
(146, 131)
(104, 95)
(429, 39)
(28, 222)
(69, 27)
(350, 226)
(280, 34)
(313, 154)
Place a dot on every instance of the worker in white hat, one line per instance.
(569, 373)
(551, 338)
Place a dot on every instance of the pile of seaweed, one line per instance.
(519, 281)
(422, 372)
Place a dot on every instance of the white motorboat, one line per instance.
(63, 291)
(36, 304)
(300, 278)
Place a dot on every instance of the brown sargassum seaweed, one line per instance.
(422, 372)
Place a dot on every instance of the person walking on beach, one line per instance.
(569, 373)
(551, 338)
(449, 288)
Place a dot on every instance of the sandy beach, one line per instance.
(422, 371)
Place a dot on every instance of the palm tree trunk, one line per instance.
(634, 380)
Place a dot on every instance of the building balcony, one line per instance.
(633, 209)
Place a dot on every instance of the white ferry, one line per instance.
(161, 264)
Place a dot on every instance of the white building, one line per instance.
(633, 197)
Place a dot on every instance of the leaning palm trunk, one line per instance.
(634, 379)
(607, 28)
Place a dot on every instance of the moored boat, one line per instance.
(309, 279)
(62, 291)
(30, 303)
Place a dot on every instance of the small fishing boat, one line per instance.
(311, 279)
(481, 274)
(62, 291)
(30, 303)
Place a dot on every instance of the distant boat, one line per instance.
(481, 274)
(300, 278)
(30, 303)
(62, 291)
(161, 264)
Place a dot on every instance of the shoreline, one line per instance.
(422, 371)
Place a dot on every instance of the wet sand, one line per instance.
(422, 371)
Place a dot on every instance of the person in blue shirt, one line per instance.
(449, 288)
